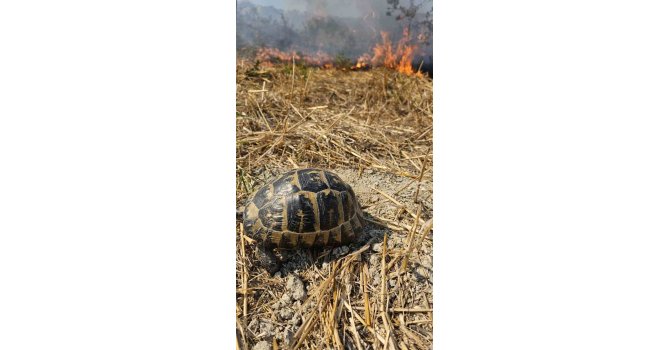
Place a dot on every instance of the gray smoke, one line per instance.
(340, 28)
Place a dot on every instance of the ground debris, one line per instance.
(374, 129)
(295, 287)
(262, 345)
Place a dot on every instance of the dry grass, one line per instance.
(376, 122)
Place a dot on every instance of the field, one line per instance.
(374, 129)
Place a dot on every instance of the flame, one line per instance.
(362, 63)
(398, 58)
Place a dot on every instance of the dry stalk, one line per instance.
(289, 118)
(398, 204)
(242, 332)
(418, 181)
(353, 330)
(410, 240)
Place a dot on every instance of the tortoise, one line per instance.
(302, 208)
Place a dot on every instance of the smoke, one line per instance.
(339, 28)
(338, 8)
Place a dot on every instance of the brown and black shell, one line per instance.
(304, 208)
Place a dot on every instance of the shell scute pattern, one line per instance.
(300, 213)
(329, 210)
(311, 180)
(262, 196)
(285, 184)
(304, 208)
(272, 214)
(336, 183)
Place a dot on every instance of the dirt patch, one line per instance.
(303, 272)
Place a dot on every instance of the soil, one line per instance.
(374, 129)
(301, 270)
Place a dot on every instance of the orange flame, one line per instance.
(397, 57)
(363, 62)
(400, 58)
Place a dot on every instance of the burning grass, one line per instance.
(398, 57)
(374, 128)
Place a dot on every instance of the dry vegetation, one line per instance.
(374, 128)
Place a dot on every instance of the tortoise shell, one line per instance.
(304, 208)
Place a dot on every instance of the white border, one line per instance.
(552, 188)
(117, 180)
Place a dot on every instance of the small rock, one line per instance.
(377, 247)
(285, 300)
(376, 281)
(296, 320)
(295, 287)
(288, 336)
(374, 260)
(262, 345)
(286, 313)
(427, 261)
